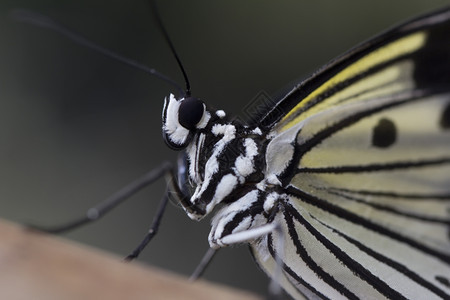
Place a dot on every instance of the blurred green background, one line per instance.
(76, 126)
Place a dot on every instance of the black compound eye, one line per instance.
(190, 112)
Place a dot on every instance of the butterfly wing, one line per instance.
(368, 181)
(423, 40)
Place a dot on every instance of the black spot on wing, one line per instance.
(384, 133)
(445, 118)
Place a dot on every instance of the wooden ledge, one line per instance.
(39, 266)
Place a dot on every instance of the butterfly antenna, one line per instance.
(172, 48)
(46, 22)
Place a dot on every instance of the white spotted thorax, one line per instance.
(226, 163)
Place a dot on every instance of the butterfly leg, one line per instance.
(204, 263)
(237, 238)
(152, 231)
(96, 212)
(177, 188)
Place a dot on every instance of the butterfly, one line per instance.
(353, 165)
(344, 181)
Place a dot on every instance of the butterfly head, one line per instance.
(221, 155)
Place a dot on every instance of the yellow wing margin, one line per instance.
(393, 78)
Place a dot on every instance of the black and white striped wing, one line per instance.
(368, 180)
